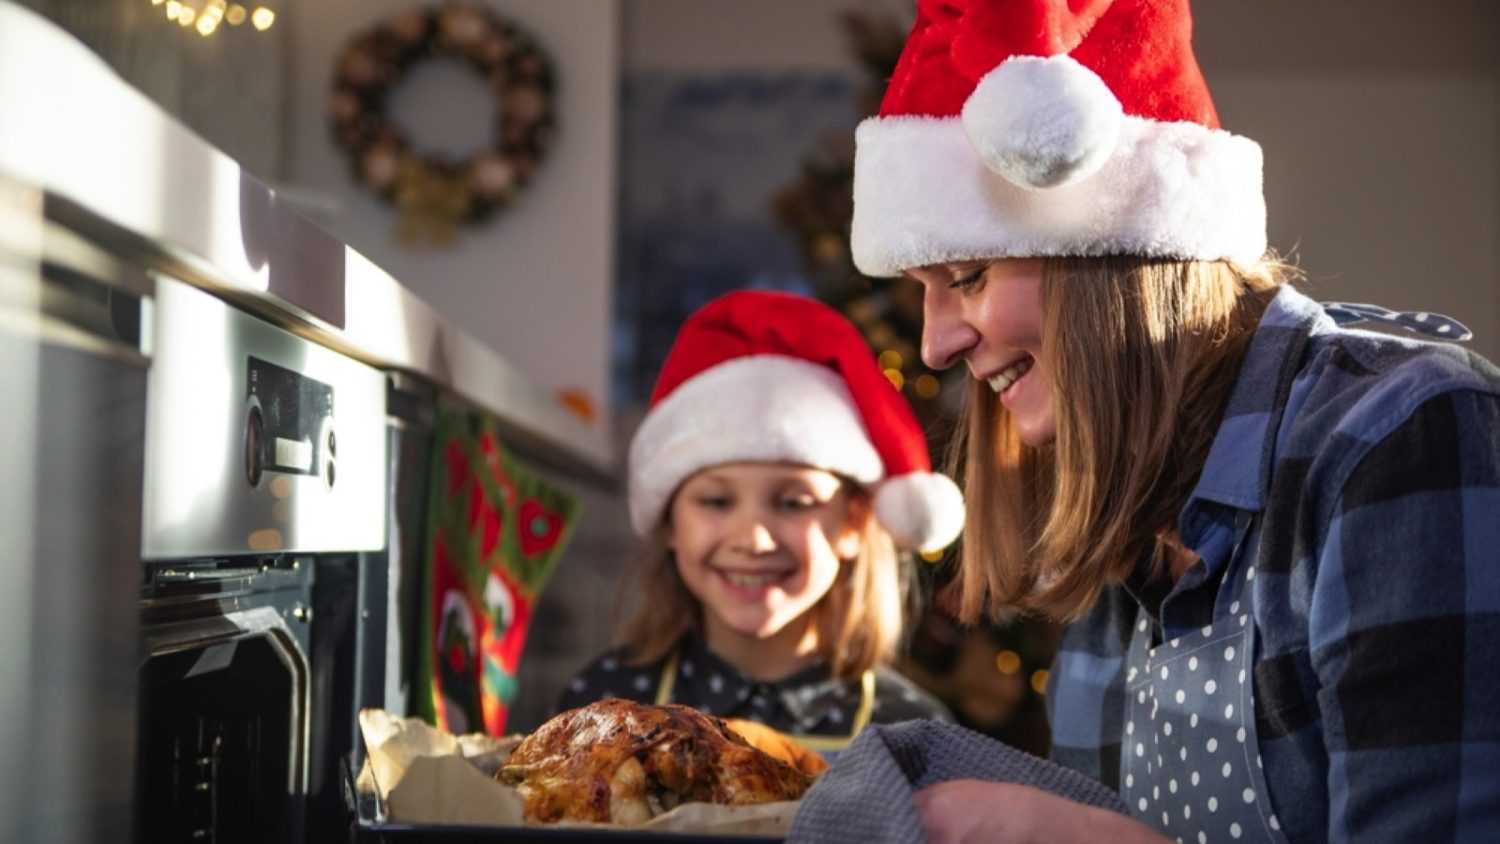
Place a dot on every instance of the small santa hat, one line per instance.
(1026, 128)
(762, 376)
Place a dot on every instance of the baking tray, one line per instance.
(365, 828)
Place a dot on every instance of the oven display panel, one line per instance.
(289, 422)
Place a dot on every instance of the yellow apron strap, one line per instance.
(668, 680)
(816, 743)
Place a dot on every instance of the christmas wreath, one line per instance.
(435, 194)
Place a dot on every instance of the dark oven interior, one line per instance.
(216, 765)
(249, 689)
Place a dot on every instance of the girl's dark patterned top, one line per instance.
(811, 702)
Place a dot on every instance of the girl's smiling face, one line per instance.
(988, 314)
(760, 544)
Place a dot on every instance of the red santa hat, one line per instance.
(1024, 128)
(761, 376)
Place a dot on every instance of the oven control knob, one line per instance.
(331, 450)
(255, 433)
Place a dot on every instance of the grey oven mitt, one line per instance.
(865, 797)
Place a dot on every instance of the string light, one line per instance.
(206, 16)
(208, 20)
(1039, 681)
(926, 386)
(1007, 662)
(933, 556)
(890, 359)
(895, 377)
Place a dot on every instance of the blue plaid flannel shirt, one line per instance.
(1360, 473)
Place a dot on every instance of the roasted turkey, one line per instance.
(617, 761)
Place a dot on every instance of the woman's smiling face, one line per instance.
(988, 314)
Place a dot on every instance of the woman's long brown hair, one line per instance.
(1143, 354)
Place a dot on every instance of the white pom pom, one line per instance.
(1042, 122)
(922, 510)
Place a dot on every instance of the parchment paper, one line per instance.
(426, 776)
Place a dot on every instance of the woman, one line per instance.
(1275, 537)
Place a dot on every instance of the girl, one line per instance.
(773, 477)
(1275, 537)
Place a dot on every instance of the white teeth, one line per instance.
(1000, 383)
(751, 581)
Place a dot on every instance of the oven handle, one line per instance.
(205, 574)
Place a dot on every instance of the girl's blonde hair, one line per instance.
(1143, 355)
(858, 621)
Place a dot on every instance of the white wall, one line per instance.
(533, 282)
(1380, 121)
(1385, 190)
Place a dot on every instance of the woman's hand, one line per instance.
(973, 811)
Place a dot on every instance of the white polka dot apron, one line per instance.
(1189, 759)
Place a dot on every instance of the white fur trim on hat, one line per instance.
(756, 408)
(923, 195)
(922, 510)
(1042, 122)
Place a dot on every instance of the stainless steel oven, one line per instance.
(266, 467)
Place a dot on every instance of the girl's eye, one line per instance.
(714, 502)
(967, 281)
(798, 502)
